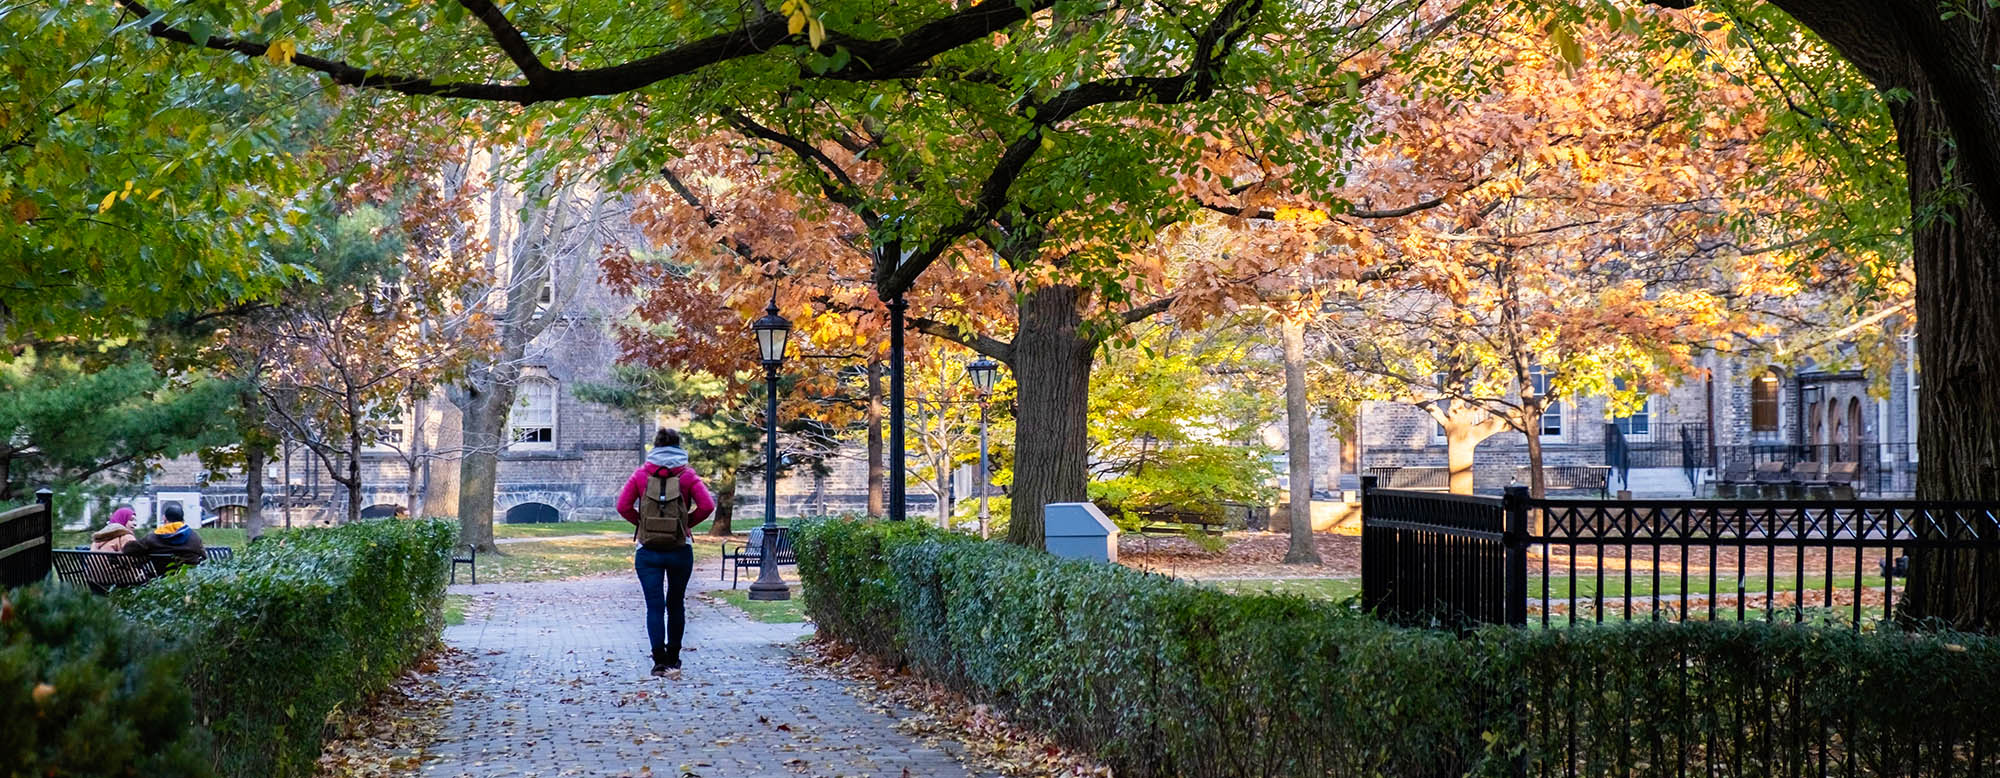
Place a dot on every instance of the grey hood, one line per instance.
(667, 456)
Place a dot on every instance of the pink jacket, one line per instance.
(691, 486)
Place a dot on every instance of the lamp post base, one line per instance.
(770, 591)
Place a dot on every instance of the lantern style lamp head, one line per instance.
(984, 372)
(773, 331)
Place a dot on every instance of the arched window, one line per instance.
(1764, 405)
(532, 423)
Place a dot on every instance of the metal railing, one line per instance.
(27, 540)
(1441, 558)
(1434, 558)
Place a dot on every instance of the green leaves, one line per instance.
(125, 196)
(135, 413)
(339, 614)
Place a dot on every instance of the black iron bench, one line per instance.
(103, 571)
(752, 555)
(470, 559)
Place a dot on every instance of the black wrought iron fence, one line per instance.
(1561, 562)
(27, 537)
(1442, 557)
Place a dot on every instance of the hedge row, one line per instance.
(1160, 678)
(300, 625)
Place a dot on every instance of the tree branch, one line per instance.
(508, 37)
(1000, 350)
(1212, 47)
(881, 59)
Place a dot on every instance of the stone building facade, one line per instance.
(1743, 413)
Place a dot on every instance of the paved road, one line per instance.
(559, 687)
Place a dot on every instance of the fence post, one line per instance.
(1371, 553)
(1515, 506)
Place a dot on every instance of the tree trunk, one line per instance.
(877, 474)
(1051, 365)
(1298, 443)
(1459, 443)
(725, 504)
(1948, 121)
(1538, 484)
(479, 468)
(253, 492)
(1958, 307)
(413, 486)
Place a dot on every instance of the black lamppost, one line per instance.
(773, 331)
(983, 372)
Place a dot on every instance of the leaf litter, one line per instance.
(389, 735)
(980, 735)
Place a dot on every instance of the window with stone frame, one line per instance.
(1541, 378)
(1640, 422)
(532, 422)
(1764, 405)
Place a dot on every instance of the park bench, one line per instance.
(751, 555)
(468, 555)
(1735, 481)
(1177, 519)
(103, 571)
(1570, 478)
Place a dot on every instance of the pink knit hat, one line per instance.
(122, 517)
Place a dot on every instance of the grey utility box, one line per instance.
(1077, 530)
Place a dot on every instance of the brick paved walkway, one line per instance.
(558, 687)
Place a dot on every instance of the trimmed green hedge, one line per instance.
(297, 627)
(112, 700)
(1160, 678)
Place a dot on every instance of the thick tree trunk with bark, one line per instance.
(1298, 442)
(1052, 357)
(481, 423)
(1958, 310)
(1948, 128)
(877, 474)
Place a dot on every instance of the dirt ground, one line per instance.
(1248, 555)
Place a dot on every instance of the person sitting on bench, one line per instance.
(173, 537)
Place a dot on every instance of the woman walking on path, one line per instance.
(664, 499)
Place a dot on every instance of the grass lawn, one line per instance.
(454, 609)
(1725, 584)
(233, 538)
(1336, 589)
(792, 611)
(557, 560)
(561, 528)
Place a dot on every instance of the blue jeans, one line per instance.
(671, 568)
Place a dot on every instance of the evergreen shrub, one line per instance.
(298, 627)
(1162, 678)
(83, 692)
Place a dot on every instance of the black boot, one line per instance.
(663, 661)
(673, 657)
